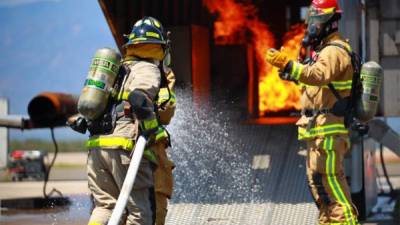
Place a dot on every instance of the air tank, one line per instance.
(367, 102)
(99, 83)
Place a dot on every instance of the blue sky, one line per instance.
(47, 45)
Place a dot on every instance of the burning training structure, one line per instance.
(218, 50)
(230, 172)
(219, 47)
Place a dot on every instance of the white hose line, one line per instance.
(128, 182)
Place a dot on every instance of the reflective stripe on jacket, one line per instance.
(338, 85)
(324, 130)
(113, 143)
(163, 95)
(332, 65)
(145, 76)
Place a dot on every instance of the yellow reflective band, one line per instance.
(297, 69)
(150, 155)
(105, 142)
(139, 39)
(338, 223)
(328, 144)
(94, 223)
(156, 23)
(333, 183)
(131, 36)
(152, 34)
(120, 142)
(321, 131)
(161, 134)
(122, 95)
(163, 95)
(341, 85)
(150, 124)
(338, 85)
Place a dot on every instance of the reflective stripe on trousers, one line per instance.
(338, 224)
(334, 184)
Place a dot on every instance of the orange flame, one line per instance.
(274, 93)
(236, 22)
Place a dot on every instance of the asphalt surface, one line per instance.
(69, 177)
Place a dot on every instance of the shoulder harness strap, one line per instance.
(164, 83)
(353, 62)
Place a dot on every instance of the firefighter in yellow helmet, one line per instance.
(133, 109)
(327, 76)
(150, 42)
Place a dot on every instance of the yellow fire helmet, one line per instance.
(147, 39)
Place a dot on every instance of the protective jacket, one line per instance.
(145, 76)
(325, 134)
(166, 101)
(332, 65)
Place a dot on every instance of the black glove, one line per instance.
(285, 74)
(78, 125)
(142, 106)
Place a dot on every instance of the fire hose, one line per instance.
(128, 182)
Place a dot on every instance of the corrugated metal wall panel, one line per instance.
(122, 14)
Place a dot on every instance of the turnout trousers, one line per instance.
(327, 181)
(163, 181)
(106, 173)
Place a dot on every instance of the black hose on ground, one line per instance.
(48, 169)
(385, 173)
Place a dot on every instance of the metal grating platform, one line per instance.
(239, 174)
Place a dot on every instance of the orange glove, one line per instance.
(277, 58)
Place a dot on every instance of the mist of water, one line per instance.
(212, 165)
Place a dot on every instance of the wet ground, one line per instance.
(75, 214)
(70, 180)
(78, 214)
(225, 175)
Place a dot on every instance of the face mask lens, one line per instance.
(312, 30)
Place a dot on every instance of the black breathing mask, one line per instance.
(314, 35)
(316, 32)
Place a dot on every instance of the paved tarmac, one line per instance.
(69, 177)
(29, 189)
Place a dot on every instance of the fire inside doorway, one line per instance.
(218, 47)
